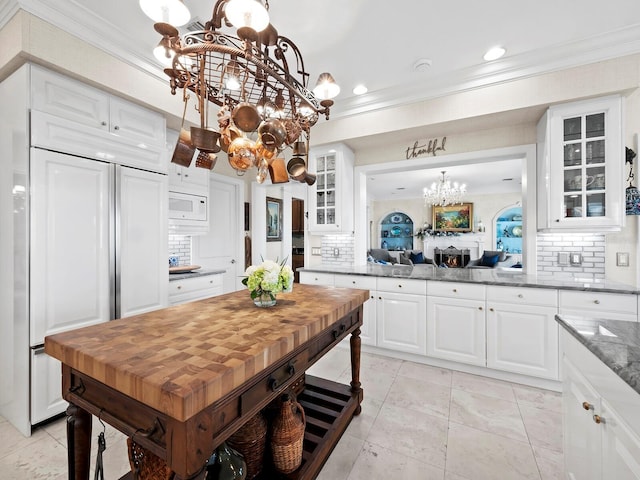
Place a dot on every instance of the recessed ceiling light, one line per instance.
(360, 89)
(494, 53)
(422, 65)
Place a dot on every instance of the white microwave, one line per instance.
(188, 212)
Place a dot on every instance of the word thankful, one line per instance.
(430, 148)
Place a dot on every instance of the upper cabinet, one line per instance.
(580, 164)
(331, 197)
(189, 179)
(96, 116)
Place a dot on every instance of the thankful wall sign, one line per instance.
(428, 147)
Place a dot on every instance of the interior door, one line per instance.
(223, 246)
(142, 275)
(70, 242)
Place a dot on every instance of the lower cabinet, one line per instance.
(601, 431)
(46, 387)
(522, 334)
(456, 322)
(194, 288)
(368, 334)
(401, 322)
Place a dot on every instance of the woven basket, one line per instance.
(287, 437)
(250, 441)
(145, 465)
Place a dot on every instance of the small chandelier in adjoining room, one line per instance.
(444, 192)
(257, 77)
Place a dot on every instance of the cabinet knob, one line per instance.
(587, 406)
(379, 298)
(186, 174)
(598, 419)
(399, 286)
(116, 127)
(210, 281)
(491, 309)
(104, 124)
(479, 308)
(557, 220)
(353, 281)
(178, 174)
(455, 290)
(520, 295)
(597, 302)
(179, 287)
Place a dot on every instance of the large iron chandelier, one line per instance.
(257, 79)
(444, 193)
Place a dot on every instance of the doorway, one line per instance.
(297, 236)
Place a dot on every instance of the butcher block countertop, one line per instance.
(181, 359)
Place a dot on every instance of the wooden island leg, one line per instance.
(356, 386)
(78, 442)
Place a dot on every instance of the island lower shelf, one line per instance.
(329, 408)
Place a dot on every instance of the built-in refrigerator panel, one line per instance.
(71, 240)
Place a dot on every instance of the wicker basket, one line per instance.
(145, 465)
(287, 437)
(250, 441)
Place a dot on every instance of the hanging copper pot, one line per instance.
(298, 171)
(242, 154)
(228, 135)
(262, 151)
(206, 160)
(293, 130)
(205, 139)
(246, 117)
(272, 133)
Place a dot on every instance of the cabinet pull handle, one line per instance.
(179, 287)
(587, 406)
(479, 308)
(186, 175)
(491, 309)
(597, 302)
(104, 124)
(455, 290)
(520, 295)
(598, 419)
(116, 127)
(399, 286)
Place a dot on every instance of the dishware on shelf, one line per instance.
(396, 218)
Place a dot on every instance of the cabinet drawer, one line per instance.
(315, 278)
(470, 291)
(402, 285)
(194, 284)
(521, 295)
(597, 303)
(355, 281)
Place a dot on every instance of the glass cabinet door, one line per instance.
(326, 190)
(584, 166)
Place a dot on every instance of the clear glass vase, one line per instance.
(265, 299)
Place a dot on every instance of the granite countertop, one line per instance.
(615, 342)
(510, 277)
(196, 273)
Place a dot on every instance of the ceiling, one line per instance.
(377, 43)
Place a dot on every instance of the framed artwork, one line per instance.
(453, 218)
(274, 219)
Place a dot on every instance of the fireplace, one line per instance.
(452, 257)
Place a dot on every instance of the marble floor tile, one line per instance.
(360, 425)
(333, 365)
(489, 414)
(340, 463)
(420, 396)
(381, 364)
(12, 441)
(537, 397)
(544, 427)
(550, 463)
(379, 463)
(426, 373)
(414, 434)
(483, 385)
(43, 459)
(375, 385)
(479, 455)
(454, 476)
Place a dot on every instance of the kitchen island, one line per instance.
(180, 380)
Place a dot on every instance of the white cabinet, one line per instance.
(185, 290)
(317, 278)
(79, 119)
(401, 322)
(331, 197)
(456, 322)
(580, 160)
(46, 386)
(601, 419)
(522, 334)
(368, 329)
(614, 306)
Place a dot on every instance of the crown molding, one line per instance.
(8, 9)
(616, 44)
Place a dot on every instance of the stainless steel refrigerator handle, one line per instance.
(38, 350)
(116, 235)
(112, 245)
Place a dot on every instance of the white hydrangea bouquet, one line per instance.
(266, 280)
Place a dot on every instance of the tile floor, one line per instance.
(417, 422)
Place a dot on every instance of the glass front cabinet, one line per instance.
(331, 197)
(580, 165)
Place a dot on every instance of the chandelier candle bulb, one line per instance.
(443, 193)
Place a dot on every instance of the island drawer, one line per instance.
(356, 281)
(195, 284)
(402, 285)
(546, 297)
(597, 304)
(469, 291)
(316, 278)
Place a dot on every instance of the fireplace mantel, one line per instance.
(473, 242)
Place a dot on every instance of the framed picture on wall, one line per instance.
(453, 218)
(274, 219)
